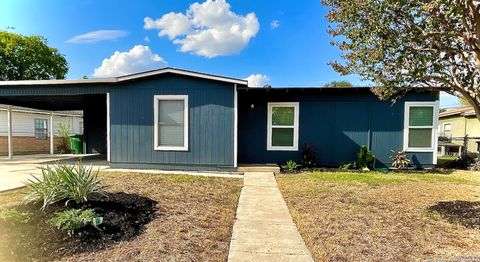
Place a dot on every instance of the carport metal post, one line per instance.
(9, 130)
(51, 133)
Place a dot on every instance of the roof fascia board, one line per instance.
(182, 72)
(124, 78)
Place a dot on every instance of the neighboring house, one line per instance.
(459, 129)
(178, 119)
(30, 128)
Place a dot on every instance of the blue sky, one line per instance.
(283, 43)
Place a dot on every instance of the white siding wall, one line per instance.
(23, 123)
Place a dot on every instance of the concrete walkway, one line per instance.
(264, 229)
(14, 172)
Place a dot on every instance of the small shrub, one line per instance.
(308, 156)
(72, 220)
(291, 165)
(64, 146)
(15, 217)
(462, 162)
(364, 158)
(399, 159)
(64, 182)
(348, 166)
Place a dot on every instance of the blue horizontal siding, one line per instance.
(210, 123)
(334, 124)
(51, 90)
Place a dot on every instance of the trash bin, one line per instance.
(76, 142)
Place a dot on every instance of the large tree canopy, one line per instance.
(410, 43)
(29, 58)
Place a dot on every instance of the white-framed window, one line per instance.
(41, 130)
(282, 128)
(447, 130)
(171, 122)
(420, 126)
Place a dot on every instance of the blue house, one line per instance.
(178, 119)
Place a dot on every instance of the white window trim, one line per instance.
(443, 127)
(108, 127)
(434, 141)
(295, 126)
(157, 98)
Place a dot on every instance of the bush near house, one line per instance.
(64, 146)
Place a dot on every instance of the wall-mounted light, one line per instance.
(252, 106)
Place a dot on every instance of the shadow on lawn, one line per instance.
(466, 213)
(125, 217)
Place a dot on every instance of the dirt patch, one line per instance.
(356, 220)
(146, 218)
(466, 213)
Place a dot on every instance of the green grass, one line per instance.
(375, 178)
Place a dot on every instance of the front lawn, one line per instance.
(385, 217)
(182, 218)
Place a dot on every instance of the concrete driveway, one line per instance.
(13, 173)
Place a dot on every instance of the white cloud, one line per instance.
(139, 58)
(207, 29)
(97, 36)
(146, 39)
(274, 24)
(258, 80)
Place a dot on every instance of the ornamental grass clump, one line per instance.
(76, 183)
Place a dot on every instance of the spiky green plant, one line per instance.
(79, 183)
(290, 165)
(64, 182)
(44, 189)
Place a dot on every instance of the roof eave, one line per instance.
(126, 78)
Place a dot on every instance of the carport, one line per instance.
(90, 96)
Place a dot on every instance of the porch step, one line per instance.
(258, 168)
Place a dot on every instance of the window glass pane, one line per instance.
(171, 135)
(421, 116)
(41, 128)
(283, 116)
(282, 136)
(420, 137)
(170, 122)
(170, 111)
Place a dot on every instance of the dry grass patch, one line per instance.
(385, 217)
(193, 221)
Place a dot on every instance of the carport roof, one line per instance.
(118, 79)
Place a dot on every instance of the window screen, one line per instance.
(420, 126)
(41, 131)
(282, 126)
(171, 122)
